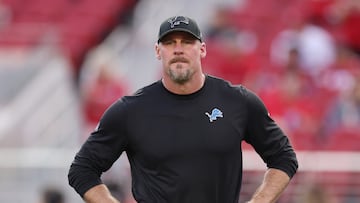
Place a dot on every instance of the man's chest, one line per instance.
(176, 131)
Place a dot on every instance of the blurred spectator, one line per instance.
(230, 49)
(316, 45)
(351, 195)
(99, 93)
(340, 76)
(317, 194)
(223, 30)
(52, 195)
(344, 112)
(221, 26)
(287, 90)
(344, 18)
(5, 15)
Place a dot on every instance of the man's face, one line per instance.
(181, 54)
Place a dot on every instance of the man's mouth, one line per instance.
(179, 60)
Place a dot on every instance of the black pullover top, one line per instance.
(183, 148)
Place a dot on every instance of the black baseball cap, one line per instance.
(179, 23)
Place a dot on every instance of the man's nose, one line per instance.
(178, 49)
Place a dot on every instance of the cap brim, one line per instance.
(178, 30)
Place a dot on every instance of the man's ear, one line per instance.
(157, 51)
(203, 50)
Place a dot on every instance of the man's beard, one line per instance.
(180, 77)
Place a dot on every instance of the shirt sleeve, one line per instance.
(103, 147)
(268, 140)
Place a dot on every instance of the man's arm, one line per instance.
(274, 183)
(99, 194)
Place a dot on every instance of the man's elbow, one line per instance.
(82, 178)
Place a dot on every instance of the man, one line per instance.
(183, 133)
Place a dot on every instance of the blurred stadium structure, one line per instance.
(51, 51)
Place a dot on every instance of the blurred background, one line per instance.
(62, 62)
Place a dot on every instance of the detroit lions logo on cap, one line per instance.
(177, 20)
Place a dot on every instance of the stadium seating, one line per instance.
(81, 24)
(20, 35)
(344, 139)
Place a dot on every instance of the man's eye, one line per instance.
(167, 42)
(188, 41)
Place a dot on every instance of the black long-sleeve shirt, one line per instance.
(183, 148)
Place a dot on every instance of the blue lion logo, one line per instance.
(215, 113)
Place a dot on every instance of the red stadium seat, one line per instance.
(22, 35)
(344, 139)
(42, 11)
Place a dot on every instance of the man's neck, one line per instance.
(189, 87)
